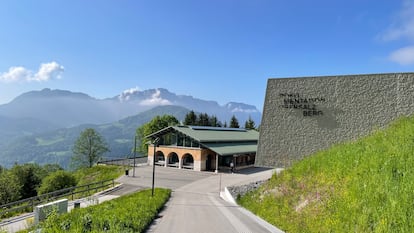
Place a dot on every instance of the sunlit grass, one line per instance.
(132, 213)
(361, 186)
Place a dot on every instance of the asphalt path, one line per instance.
(195, 204)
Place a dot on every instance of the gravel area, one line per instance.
(238, 191)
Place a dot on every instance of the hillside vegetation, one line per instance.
(361, 186)
(132, 213)
(56, 146)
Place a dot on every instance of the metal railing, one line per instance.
(124, 161)
(29, 203)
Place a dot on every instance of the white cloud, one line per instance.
(15, 74)
(403, 56)
(402, 29)
(47, 71)
(155, 100)
(125, 95)
(403, 26)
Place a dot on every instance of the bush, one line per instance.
(56, 181)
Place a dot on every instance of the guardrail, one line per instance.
(125, 161)
(29, 203)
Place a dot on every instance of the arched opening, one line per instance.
(159, 158)
(173, 160)
(188, 161)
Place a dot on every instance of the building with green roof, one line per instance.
(203, 148)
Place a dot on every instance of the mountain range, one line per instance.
(41, 126)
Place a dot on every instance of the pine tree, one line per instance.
(234, 123)
(249, 124)
(203, 119)
(190, 118)
(215, 122)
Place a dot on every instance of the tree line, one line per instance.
(29, 180)
(203, 119)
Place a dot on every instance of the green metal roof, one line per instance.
(223, 141)
(232, 148)
(211, 134)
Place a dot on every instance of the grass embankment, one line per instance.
(361, 186)
(98, 173)
(132, 213)
(95, 174)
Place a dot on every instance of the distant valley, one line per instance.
(41, 126)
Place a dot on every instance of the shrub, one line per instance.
(56, 181)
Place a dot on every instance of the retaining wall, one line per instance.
(304, 115)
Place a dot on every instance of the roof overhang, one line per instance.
(225, 149)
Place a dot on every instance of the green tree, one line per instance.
(88, 149)
(29, 177)
(190, 118)
(214, 121)
(234, 123)
(203, 119)
(9, 187)
(156, 124)
(57, 180)
(249, 124)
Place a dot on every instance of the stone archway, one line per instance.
(173, 160)
(188, 161)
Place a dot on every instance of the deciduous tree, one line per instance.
(9, 187)
(57, 180)
(88, 149)
(29, 177)
(156, 124)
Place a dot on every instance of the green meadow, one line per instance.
(361, 186)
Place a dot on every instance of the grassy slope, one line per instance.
(132, 213)
(98, 173)
(362, 186)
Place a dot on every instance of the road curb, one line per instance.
(226, 196)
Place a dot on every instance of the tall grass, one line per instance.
(98, 173)
(132, 213)
(361, 186)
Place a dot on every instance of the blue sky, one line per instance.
(222, 50)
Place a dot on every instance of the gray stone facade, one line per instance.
(304, 115)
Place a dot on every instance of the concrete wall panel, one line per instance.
(304, 115)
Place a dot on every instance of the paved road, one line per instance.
(195, 205)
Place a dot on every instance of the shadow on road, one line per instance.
(252, 170)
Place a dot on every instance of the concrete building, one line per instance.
(304, 115)
(203, 148)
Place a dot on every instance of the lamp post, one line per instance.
(155, 143)
(135, 154)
